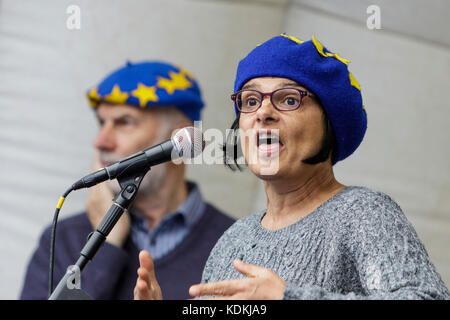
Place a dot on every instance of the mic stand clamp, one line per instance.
(129, 184)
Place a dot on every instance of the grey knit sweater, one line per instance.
(356, 245)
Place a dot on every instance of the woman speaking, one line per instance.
(299, 111)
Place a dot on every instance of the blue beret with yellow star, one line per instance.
(148, 84)
(322, 72)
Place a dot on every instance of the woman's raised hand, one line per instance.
(147, 288)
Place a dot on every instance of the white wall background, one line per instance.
(47, 128)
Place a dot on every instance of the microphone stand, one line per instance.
(129, 183)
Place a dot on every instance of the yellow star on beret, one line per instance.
(94, 97)
(116, 96)
(292, 38)
(145, 94)
(353, 82)
(177, 81)
(187, 72)
(320, 49)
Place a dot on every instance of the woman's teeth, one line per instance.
(268, 144)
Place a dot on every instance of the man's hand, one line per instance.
(98, 203)
(260, 284)
(147, 288)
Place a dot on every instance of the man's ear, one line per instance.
(180, 125)
(175, 119)
(183, 124)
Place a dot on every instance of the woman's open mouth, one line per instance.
(268, 142)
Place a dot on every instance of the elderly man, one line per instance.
(137, 106)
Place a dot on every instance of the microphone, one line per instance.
(186, 143)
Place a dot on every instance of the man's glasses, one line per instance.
(284, 99)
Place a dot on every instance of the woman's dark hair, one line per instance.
(328, 144)
(230, 159)
(232, 144)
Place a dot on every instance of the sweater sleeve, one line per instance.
(389, 258)
(98, 279)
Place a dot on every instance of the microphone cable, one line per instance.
(52, 239)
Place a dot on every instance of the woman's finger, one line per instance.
(146, 273)
(220, 288)
(145, 260)
(141, 291)
(143, 276)
(250, 270)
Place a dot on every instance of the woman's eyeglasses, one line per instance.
(284, 99)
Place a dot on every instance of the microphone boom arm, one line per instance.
(129, 184)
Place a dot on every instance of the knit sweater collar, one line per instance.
(270, 235)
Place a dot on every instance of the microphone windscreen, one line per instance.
(190, 142)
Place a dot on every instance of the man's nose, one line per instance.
(106, 139)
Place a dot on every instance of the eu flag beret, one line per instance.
(148, 84)
(322, 72)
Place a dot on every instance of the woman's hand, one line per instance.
(147, 288)
(261, 283)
